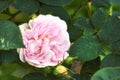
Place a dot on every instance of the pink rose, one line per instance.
(46, 41)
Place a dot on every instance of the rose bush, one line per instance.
(46, 41)
(93, 27)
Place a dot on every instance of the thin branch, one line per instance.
(89, 8)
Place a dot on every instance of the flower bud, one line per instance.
(34, 16)
(69, 60)
(60, 70)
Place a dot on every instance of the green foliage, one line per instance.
(5, 4)
(56, 11)
(94, 29)
(108, 73)
(6, 70)
(99, 18)
(8, 56)
(116, 13)
(115, 2)
(111, 61)
(56, 2)
(105, 3)
(10, 36)
(90, 67)
(34, 76)
(79, 77)
(81, 26)
(85, 48)
(111, 31)
(116, 47)
(28, 6)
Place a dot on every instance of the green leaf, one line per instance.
(80, 26)
(111, 61)
(4, 16)
(99, 18)
(116, 47)
(108, 73)
(21, 71)
(34, 76)
(116, 13)
(56, 2)
(85, 48)
(5, 4)
(56, 11)
(8, 56)
(10, 36)
(115, 2)
(28, 6)
(111, 32)
(85, 25)
(104, 3)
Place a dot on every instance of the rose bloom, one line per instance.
(46, 41)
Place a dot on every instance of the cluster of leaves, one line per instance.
(93, 26)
